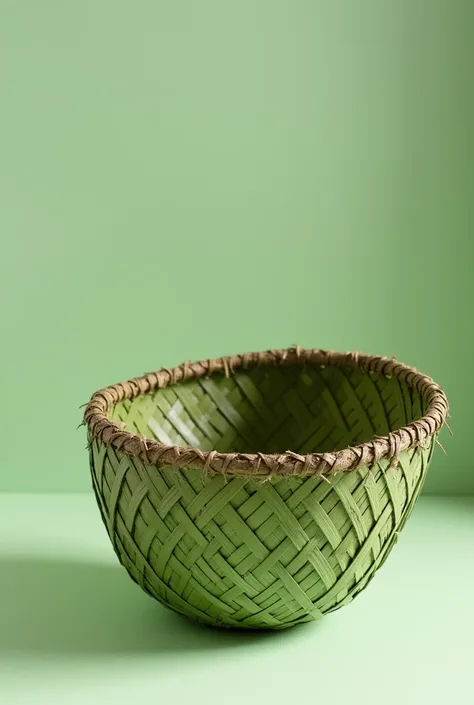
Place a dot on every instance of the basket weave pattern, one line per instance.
(212, 515)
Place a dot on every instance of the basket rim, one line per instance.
(232, 464)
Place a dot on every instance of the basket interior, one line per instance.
(274, 409)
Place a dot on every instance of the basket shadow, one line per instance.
(71, 607)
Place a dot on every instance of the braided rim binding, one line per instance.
(152, 452)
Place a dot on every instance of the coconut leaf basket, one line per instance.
(265, 489)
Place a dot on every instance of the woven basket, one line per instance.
(212, 515)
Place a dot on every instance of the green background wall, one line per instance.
(190, 179)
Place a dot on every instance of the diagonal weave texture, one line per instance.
(298, 533)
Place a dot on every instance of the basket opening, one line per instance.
(269, 409)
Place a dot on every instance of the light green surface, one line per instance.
(75, 629)
(190, 179)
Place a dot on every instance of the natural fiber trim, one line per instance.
(257, 464)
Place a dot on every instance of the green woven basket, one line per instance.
(265, 489)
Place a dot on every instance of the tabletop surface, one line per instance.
(75, 629)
